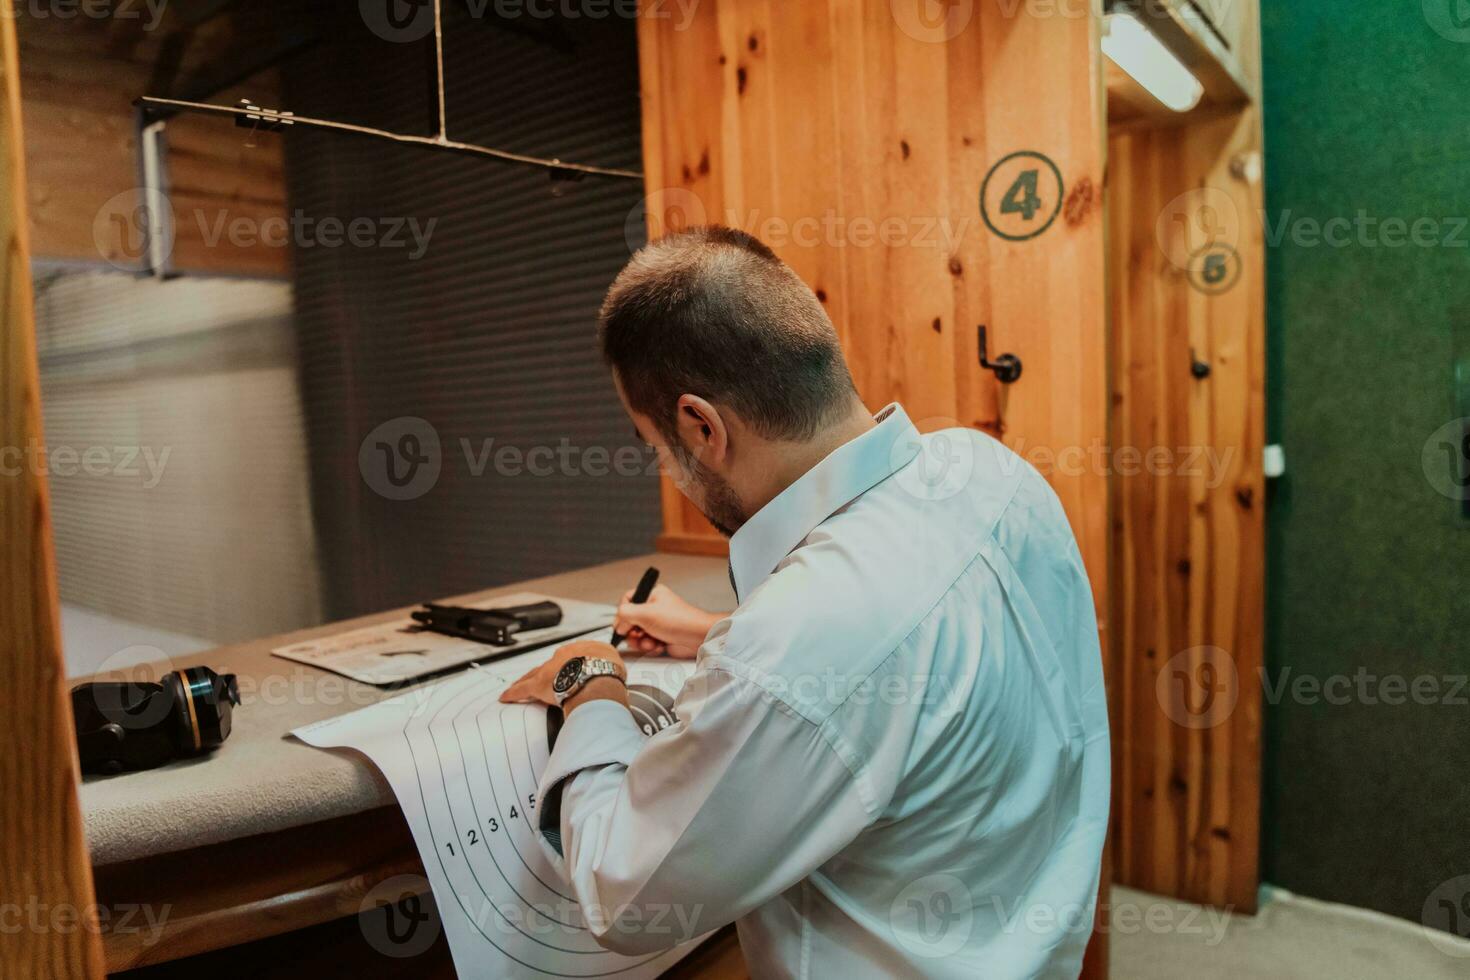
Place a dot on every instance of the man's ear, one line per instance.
(702, 430)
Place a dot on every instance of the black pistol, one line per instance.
(496, 627)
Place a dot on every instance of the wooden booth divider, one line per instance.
(45, 874)
(1187, 341)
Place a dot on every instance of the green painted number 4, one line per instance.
(1021, 198)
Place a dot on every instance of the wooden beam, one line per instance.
(1187, 303)
(1188, 603)
(44, 870)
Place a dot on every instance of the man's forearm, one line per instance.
(598, 689)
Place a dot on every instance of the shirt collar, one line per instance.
(845, 474)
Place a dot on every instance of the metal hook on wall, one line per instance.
(1007, 367)
(1200, 369)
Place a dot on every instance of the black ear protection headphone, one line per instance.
(139, 725)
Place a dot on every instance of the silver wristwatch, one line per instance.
(575, 674)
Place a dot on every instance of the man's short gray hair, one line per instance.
(713, 312)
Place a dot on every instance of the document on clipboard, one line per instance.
(400, 651)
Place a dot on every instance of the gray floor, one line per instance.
(1289, 938)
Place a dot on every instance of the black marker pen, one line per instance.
(640, 596)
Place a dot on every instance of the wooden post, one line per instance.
(45, 874)
(1187, 253)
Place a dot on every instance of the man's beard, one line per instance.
(714, 497)
(720, 505)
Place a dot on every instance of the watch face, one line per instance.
(566, 678)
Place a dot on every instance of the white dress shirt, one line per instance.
(892, 758)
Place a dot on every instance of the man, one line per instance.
(892, 759)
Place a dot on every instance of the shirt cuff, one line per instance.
(598, 733)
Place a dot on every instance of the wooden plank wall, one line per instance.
(79, 77)
(43, 854)
(815, 125)
(1188, 571)
(790, 119)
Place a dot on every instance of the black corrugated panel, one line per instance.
(490, 333)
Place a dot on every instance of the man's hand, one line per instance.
(665, 624)
(536, 684)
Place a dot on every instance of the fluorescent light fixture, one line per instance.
(1134, 48)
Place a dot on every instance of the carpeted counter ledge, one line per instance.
(262, 780)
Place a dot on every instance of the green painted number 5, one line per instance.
(1215, 268)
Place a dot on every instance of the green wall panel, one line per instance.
(1367, 118)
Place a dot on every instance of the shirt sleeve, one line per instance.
(666, 839)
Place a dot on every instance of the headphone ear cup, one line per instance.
(182, 728)
(212, 696)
